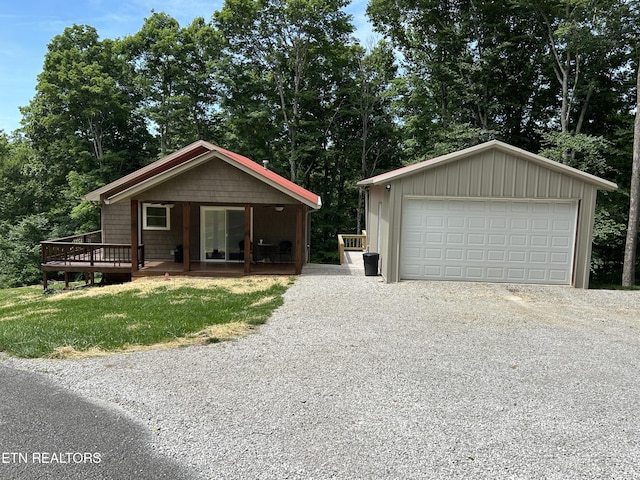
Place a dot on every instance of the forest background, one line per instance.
(287, 81)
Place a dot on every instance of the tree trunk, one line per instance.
(628, 271)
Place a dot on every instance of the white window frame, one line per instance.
(167, 209)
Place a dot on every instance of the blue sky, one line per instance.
(27, 27)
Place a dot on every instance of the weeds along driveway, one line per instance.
(354, 378)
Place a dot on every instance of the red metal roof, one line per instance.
(271, 175)
(195, 151)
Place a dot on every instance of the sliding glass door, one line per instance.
(222, 234)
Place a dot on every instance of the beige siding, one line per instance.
(490, 174)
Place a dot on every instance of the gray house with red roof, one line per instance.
(202, 210)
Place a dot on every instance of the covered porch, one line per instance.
(195, 239)
(208, 237)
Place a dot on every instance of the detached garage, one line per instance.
(490, 213)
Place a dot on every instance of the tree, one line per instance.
(464, 69)
(290, 47)
(175, 74)
(83, 114)
(373, 100)
(629, 268)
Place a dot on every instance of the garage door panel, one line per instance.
(496, 255)
(474, 273)
(434, 254)
(538, 257)
(519, 224)
(558, 275)
(488, 240)
(456, 222)
(539, 241)
(560, 242)
(476, 239)
(455, 238)
(516, 274)
(540, 224)
(517, 257)
(474, 255)
(495, 274)
(454, 254)
(434, 238)
(454, 272)
(435, 222)
(517, 240)
(499, 240)
(559, 258)
(477, 223)
(415, 236)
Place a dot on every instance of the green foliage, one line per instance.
(175, 73)
(588, 153)
(284, 80)
(20, 250)
(113, 318)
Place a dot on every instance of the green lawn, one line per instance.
(124, 317)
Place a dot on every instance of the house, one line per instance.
(491, 213)
(202, 210)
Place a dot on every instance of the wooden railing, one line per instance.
(351, 242)
(88, 250)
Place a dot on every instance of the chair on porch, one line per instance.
(285, 250)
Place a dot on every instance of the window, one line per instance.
(156, 216)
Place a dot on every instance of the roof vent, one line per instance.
(265, 163)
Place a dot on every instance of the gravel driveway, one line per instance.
(354, 378)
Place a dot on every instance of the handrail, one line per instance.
(90, 237)
(69, 253)
(351, 242)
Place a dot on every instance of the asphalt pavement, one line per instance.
(47, 432)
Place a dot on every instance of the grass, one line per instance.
(144, 314)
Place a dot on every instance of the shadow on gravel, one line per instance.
(49, 433)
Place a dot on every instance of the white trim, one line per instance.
(493, 144)
(203, 253)
(167, 209)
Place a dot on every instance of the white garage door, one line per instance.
(520, 241)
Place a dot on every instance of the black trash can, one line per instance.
(178, 254)
(370, 263)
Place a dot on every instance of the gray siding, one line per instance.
(215, 182)
(491, 174)
(159, 243)
(116, 223)
(268, 224)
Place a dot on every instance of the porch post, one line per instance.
(247, 238)
(299, 238)
(134, 235)
(186, 236)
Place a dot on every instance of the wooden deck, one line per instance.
(86, 254)
(213, 269)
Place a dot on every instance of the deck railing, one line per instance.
(351, 242)
(87, 249)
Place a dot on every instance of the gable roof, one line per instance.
(190, 157)
(483, 147)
